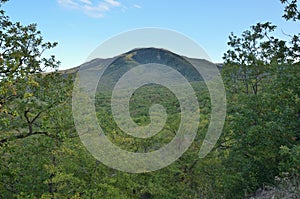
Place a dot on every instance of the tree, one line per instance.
(262, 79)
(35, 115)
(27, 91)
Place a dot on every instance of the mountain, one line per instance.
(119, 65)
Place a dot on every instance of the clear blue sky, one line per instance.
(79, 26)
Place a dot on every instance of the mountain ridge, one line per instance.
(132, 53)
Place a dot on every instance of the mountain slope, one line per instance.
(135, 57)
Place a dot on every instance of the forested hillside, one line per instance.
(258, 152)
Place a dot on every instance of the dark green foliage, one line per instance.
(291, 11)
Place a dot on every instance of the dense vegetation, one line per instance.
(43, 157)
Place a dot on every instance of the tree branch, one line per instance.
(26, 135)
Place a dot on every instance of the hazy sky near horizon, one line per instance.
(79, 26)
